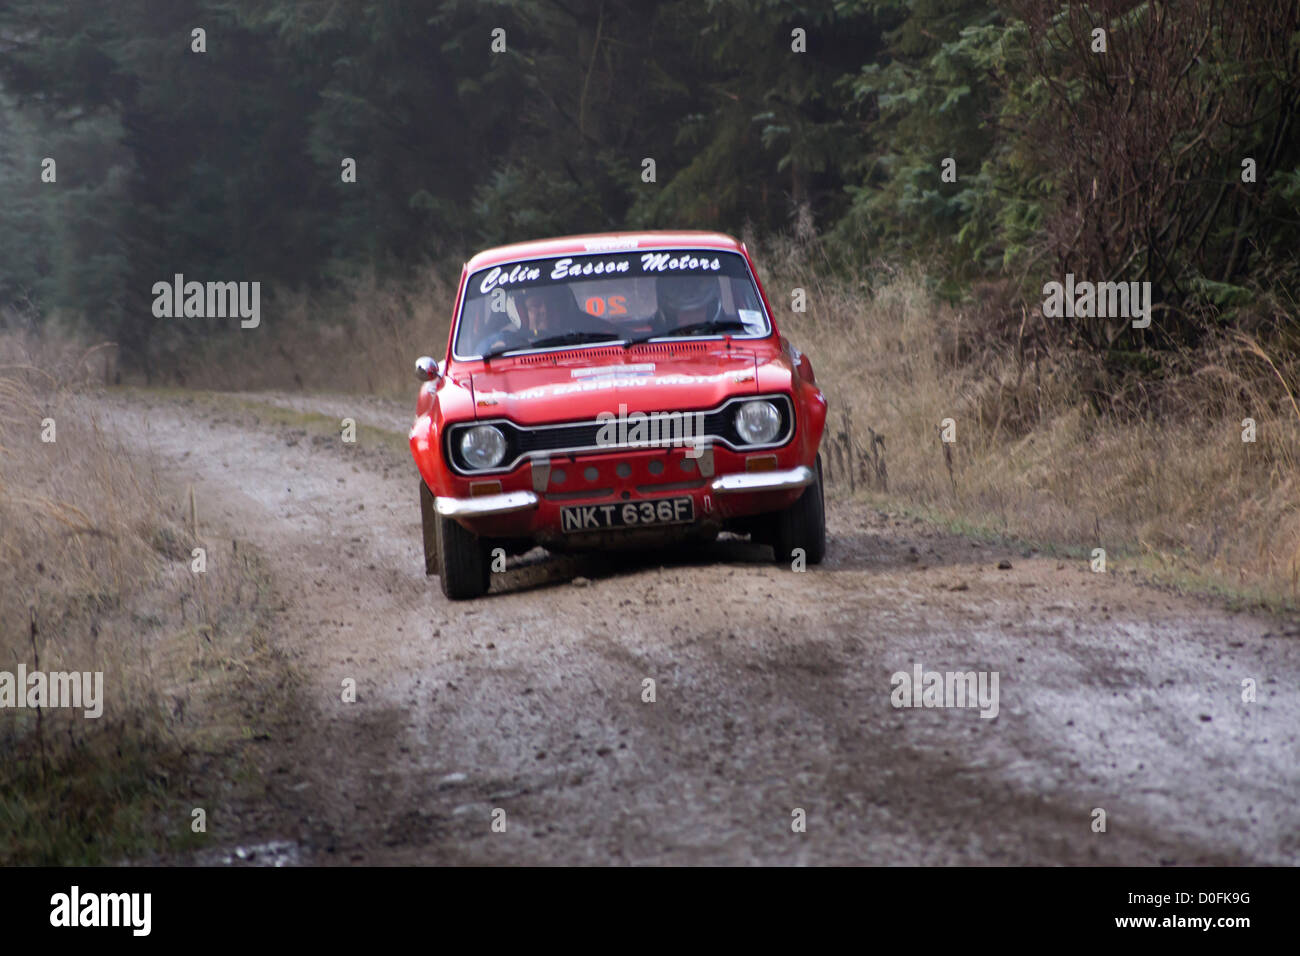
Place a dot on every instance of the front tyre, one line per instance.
(802, 525)
(463, 565)
(429, 529)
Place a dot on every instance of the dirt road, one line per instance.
(772, 688)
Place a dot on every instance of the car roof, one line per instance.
(597, 242)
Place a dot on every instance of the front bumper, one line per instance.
(786, 480)
(724, 485)
(486, 505)
(511, 502)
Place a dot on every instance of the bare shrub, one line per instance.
(1147, 140)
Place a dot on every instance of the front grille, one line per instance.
(524, 441)
(583, 436)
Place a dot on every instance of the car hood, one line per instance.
(562, 387)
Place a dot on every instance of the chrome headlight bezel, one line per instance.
(757, 422)
(481, 447)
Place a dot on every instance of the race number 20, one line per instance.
(599, 305)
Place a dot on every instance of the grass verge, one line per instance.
(991, 431)
(98, 575)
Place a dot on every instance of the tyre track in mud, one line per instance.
(772, 687)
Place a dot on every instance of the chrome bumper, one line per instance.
(764, 481)
(484, 505)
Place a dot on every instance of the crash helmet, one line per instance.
(678, 295)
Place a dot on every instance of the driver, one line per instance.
(688, 300)
(550, 310)
(544, 310)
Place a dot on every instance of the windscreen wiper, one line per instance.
(643, 338)
(501, 350)
(573, 338)
(567, 338)
(695, 328)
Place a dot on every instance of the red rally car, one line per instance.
(614, 390)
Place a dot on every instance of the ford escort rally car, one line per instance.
(614, 390)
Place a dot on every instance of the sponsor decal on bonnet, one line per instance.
(642, 368)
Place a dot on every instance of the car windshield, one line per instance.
(625, 296)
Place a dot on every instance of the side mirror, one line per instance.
(426, 369)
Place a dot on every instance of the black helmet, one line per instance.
(678, 294)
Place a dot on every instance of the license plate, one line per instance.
(628, 514)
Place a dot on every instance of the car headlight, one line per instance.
(482, 446)
(757, 423)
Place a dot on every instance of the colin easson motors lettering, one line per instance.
(570, 268)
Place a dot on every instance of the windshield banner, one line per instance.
(538, 272)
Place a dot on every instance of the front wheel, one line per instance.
(802, 526)
(429, 529)
(463, 566)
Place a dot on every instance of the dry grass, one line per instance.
(1049, 449)
(95, 575)
(362, 338)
